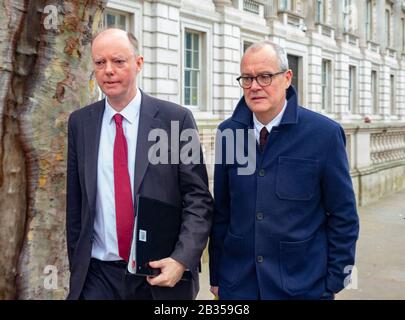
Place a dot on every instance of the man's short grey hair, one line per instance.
(280, 52)
(132, 39)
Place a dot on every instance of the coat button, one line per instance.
(259, 216)
(260, 259)
(262, 173)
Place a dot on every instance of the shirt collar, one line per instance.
(130, 112)
(273, 123)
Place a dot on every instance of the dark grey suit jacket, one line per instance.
(183, 185)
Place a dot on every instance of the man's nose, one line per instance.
(255, 85)
(109, 69)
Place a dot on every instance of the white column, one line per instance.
(341, 83)
(362, 16)
(380, 24)
(384, 88)
(162, 50)
(227, 54)
(315, 77)
(401, 89)
(365, 107)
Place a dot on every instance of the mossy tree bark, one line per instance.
(45, 73)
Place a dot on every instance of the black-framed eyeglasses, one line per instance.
(263, 80)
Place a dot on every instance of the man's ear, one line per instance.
(288, 75)
(139, 62)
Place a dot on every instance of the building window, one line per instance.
(403, 34)
(246, 45)
(369, 20)
(392, 95)
(320, 11)
(352, 89)
(115, 19)
(388, 27)
(192, 68)
(374, 92)
(287, 5)
(326, 84)
(295, 64)
(347, 23)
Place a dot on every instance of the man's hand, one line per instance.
(214, 291)
(171, 272)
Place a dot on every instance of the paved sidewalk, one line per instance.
(380, 258)
(381, 251)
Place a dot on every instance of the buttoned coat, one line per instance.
(287, 231)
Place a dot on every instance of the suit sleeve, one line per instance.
(221, 212)
(340, 204)
(197, 205)
(73, 193)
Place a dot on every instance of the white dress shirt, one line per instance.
(105, 244)
(273, 123)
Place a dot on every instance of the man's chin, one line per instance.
(112, 93)
(259, 107)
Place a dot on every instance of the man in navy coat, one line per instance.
(289, 229)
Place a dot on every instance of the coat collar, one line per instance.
(92, 129)
(148, 120)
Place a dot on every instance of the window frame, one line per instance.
(287, 5)
(347, 12)
(375, 106)
(192, 69)
(403, 34)
(353, 89)
(393, 100)
(115, 12)
(326, 84)
(322, 11)
(369, 20)
(206, 62)
(387, 27)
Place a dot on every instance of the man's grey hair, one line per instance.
(280, 52)
(132, 39)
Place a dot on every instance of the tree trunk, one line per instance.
(45, 73)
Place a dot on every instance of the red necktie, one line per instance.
(124, 209)
(264, 135)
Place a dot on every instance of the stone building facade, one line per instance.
(348, 59)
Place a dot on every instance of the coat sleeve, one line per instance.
(221, 212)
(197, 203)
(73, 192)
(342, 221)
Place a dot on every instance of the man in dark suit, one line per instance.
(108, 165)
(288, 230)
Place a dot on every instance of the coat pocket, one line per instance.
(231, 264)
(296, 178)
(303, 263)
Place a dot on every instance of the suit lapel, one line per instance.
(92, 130)
(147, 121)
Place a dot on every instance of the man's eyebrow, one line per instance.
(119, 57)
(260, 73)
